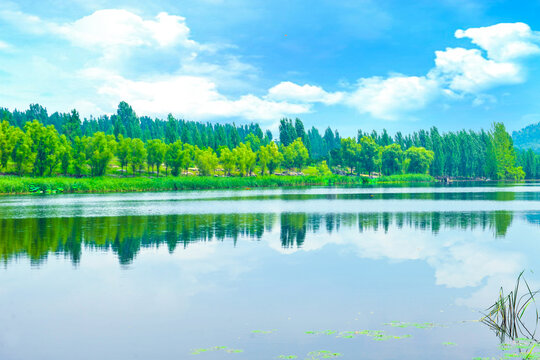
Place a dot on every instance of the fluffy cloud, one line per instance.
(505, 41)
(113, 27)
(465, 70)
(303, 93)
(388, 98)
(193, 78)
(109, 28)
(457, 72)
(119, 38)
(194, 96)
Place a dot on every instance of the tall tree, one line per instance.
(269, 158)
(287, 132)
(138, 155)
(295, 155)
(350, 153)
(392, 159)
(72, 125)
(100, 150)
(505, 154)
(369, 154)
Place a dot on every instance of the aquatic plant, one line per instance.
(521, 348)
(506, 316)
(216, 348)
(377, 335)
(264, 332)
(322, 354)
(401, 324)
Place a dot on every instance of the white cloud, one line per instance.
(109, 28)
(121, 48)
(289, 91)
(115, 27)
(457, 72)
(192, 96)
(505, 41)
(388, 98)
(468, 71)
(189, 91)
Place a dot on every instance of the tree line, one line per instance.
(35, 143)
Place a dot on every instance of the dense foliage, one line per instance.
(34, 143)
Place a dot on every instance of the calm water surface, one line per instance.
(269, 272)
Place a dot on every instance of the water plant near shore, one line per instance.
(506, 316)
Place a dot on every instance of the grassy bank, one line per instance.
(28, 185)
(404, 178)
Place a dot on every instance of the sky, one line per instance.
(350, 64)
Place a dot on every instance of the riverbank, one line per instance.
(108, 184)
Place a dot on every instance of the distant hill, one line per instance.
(528, 137)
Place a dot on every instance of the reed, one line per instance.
(506, 316)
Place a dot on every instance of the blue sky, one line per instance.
(345, 64)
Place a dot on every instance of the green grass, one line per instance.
(400, 178)
(28, 185)
(60, 184)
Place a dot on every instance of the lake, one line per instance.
(356, 273)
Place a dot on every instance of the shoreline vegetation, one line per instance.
(124, 152)
(15, 185)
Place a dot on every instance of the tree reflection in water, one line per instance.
(36, 238)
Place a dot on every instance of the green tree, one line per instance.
(138, 154)
(155, 153)
(245, 158)
(187, 156)
(227, 160)
(295, 155)
(171, 130)
(127, 122)
(269, 158)
(287, 132)
(100, 149)
(207, 161)
(418, 160)
(78, 154)
(505, 154)
(123, 151)
(65, 151)
(529, 162)
(44, 144)
(350, 153)
(7, 143)
(369, 154)
(254, 141)
(22, 154)
(392, 158)
(437, 167)
(173, 157)
(72, 125)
